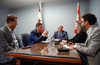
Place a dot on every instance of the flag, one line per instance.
(78, 15)
(75, 31)
(78, 12)
(40, 15)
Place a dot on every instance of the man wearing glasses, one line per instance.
(91, 48)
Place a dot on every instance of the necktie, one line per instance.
(15, 40)
(59, 35)
(39, 34)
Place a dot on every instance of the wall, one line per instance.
(56, 13)
(4, 11)
(53, 14)
(95, 9)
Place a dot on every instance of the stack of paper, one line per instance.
(66, 46)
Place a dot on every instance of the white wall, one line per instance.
(56, 13)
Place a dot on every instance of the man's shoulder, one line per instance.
(34, 31)
(56, 32)
(96, 28)
(64, 31)
(3, 28)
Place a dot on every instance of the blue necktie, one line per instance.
(15, 40)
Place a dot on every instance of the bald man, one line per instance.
(60, 34)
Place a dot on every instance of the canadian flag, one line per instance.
(40, 15)
(78, 16)
(78, 12)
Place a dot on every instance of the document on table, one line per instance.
(45, 41)
(66, 46)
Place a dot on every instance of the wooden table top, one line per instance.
(44, 52)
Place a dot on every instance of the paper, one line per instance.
(45, 41)
(66, 46)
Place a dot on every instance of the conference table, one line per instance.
(45, 53)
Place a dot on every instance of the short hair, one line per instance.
(90, 18)
(60, 25)
(38, 24)
(10, 17)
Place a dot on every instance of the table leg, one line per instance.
(18, 62)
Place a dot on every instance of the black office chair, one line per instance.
(25, 38)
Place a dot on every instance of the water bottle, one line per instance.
(51, 46)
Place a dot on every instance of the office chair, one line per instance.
(25, 38)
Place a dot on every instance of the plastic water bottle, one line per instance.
(51, 46)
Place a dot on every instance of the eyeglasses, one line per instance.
(81, 21)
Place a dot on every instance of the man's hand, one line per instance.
(45, 32)
(53, 38)
(71, 43)
(65, 41)
(57, 39)
(71, 47)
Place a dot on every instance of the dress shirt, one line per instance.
(14, 37)
(59, 34)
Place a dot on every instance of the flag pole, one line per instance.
(40, 15)
(78, 16)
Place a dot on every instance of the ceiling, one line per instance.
(23, 3)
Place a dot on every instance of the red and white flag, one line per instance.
(40, 15)
(78, 12)
(78, 16)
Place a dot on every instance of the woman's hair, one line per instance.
(80, 28)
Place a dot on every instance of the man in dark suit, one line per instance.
(36, 35)
(60, 34)
(9, 40)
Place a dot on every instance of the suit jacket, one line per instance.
(92, 46)
(34, 37)
(79, 37)
(64, 35)
(7, 44)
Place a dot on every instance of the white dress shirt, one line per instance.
(14, 37)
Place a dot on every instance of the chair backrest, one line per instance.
(25, 38)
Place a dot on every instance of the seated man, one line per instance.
(60, 34)
(36, 35)
(91, 47)
(9, 40)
